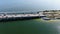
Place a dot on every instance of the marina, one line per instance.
(39, 23)
(45, 15)
(29, 16)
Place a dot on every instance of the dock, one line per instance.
(12, 17)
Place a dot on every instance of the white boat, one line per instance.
(45, 18)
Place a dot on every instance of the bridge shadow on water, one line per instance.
(28, 27)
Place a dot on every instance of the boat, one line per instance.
(45, 18)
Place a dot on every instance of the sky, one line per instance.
(30, 5)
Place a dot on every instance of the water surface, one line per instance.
(34, 26)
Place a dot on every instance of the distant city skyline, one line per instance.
(27, 5)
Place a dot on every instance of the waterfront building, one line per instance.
(53, 14)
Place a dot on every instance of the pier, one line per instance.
(45, 15)
(12, 17)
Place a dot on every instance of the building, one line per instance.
(52, 13)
